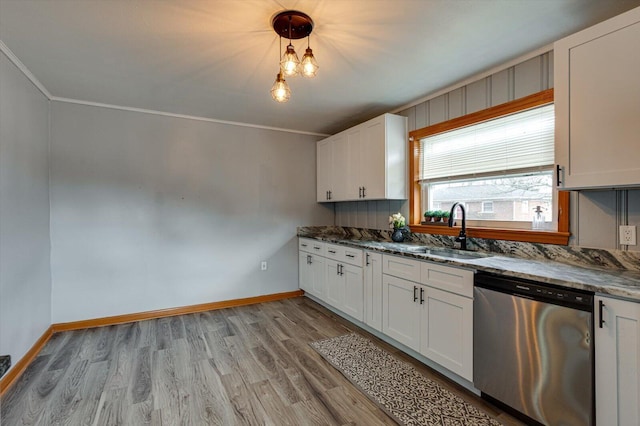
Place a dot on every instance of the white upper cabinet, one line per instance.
(366, 162)
(597, 104)
(332, 153)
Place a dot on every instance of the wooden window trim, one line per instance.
(561, 236)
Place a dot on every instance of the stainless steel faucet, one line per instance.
(462, 236)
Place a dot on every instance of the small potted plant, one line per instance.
(445, 216)
(437, 215)
(428, 215)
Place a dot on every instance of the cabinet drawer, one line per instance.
(454, 280)
(311, 246)
(353, 256)
(344, 254)
(335, 252)
(401, 267)
(306, 245)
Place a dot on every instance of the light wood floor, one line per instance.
(249, 365)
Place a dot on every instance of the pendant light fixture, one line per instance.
(292, 25)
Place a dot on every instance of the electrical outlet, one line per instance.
(628, 235)
(263, 265)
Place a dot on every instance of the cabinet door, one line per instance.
(401, 311)
(335, 284)
(305, 274)
(447, 331)
(372, 165)
(373, 290)
(340, 167)
(353, 302)
(354, 148)
(324, 169)
(319, 281)
(617, 344)
(597, 104)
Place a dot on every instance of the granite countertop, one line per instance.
(619, 283)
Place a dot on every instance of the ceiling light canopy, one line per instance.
(293, 25)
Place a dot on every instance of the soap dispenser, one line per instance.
(538, 218)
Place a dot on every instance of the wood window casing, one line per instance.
(561, 236)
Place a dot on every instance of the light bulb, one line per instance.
(290, 63)
(280, 90)
(308, 64)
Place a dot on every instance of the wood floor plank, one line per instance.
(140, 386)
(163, 333)
(67, 395)
(90, 393)
(247, 409)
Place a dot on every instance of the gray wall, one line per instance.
(151, 212)
(25, 279)
(595, 216)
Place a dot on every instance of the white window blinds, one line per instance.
(518, 141)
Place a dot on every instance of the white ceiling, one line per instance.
(218, 58)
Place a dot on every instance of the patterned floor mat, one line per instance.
(396, 387)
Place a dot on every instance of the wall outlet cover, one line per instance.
(628, 235)
(263, 265)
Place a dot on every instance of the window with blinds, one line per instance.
(500, 170)
(520, 141)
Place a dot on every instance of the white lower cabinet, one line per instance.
(425, 306)
(345, 288)
(447, 335)
(401, 310)
(373, 290)
(311, 274)
(429, 308)
(617, 347)
(353, 302)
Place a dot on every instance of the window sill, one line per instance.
(522, 235)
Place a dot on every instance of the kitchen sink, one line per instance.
(445, 252)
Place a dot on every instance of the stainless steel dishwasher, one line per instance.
(533, 349)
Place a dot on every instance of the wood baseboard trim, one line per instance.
(19, 367)
(120, 319)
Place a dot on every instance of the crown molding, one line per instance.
(18, 63)
(183, 116)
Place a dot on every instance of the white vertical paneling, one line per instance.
(456, 103)
(544, 72)
(438, 109)
(410, 113)
(362, 217)
(384, 211)
(372, 214)
(597, 219)
(633, 213)
(500, 88)
(477, 95)
(550, 70)
(421, 115)
(528, 77)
